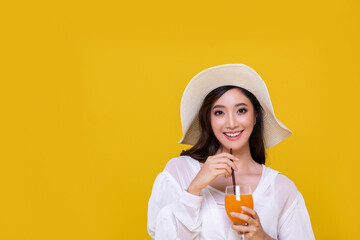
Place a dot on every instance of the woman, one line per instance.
(222, 108)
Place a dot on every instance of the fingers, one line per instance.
(220, 158)
(228, 155)
(250, 211)
(220, 164)
(222, 171)
(253, 229)
(246, 218)
(242, 228)
(232, 165)
(225, 167)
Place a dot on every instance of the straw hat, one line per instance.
(229, 74)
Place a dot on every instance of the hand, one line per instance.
(213, 167)
(254, 230)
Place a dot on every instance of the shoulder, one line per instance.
(182, 169)
(285, 191)
(180, 162)
(177, 160)
(281, 183)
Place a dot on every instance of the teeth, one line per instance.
(233, 134)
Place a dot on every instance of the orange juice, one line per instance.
(233, 205)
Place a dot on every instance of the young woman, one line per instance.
(222, 108)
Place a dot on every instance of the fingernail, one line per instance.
(232, 214)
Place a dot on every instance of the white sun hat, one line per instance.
(238, 75)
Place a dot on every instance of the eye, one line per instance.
(242, 110)
(217, 113)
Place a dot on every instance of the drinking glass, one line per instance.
(236, 197)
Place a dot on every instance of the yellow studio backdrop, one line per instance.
(90, 99)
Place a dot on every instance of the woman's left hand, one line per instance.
(254, 230)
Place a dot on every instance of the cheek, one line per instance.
(247, 121)
(215, 123)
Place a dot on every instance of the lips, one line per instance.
(233, 135)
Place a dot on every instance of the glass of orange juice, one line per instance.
(237, 196)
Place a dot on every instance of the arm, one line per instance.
(172, 212)
(295, 222)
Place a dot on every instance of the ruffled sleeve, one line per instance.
(173, 213)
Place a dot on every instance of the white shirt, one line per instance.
(173, 213)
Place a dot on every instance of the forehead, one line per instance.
(232, 97)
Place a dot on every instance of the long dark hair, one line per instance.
(207, 145)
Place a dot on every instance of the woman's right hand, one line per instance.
(213, 167)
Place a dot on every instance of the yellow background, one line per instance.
(90, 94)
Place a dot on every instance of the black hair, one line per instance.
(208, 144)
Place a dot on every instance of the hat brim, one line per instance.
(238, 75)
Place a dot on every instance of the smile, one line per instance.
(232, 135)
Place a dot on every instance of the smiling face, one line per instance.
(232, 120)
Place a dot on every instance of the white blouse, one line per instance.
(173, 213)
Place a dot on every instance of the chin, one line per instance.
(237, 148)
(234, 146)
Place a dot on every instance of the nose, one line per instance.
(231, 121)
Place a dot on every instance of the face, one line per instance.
(232, 120)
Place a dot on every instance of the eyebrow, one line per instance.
(236, 105)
